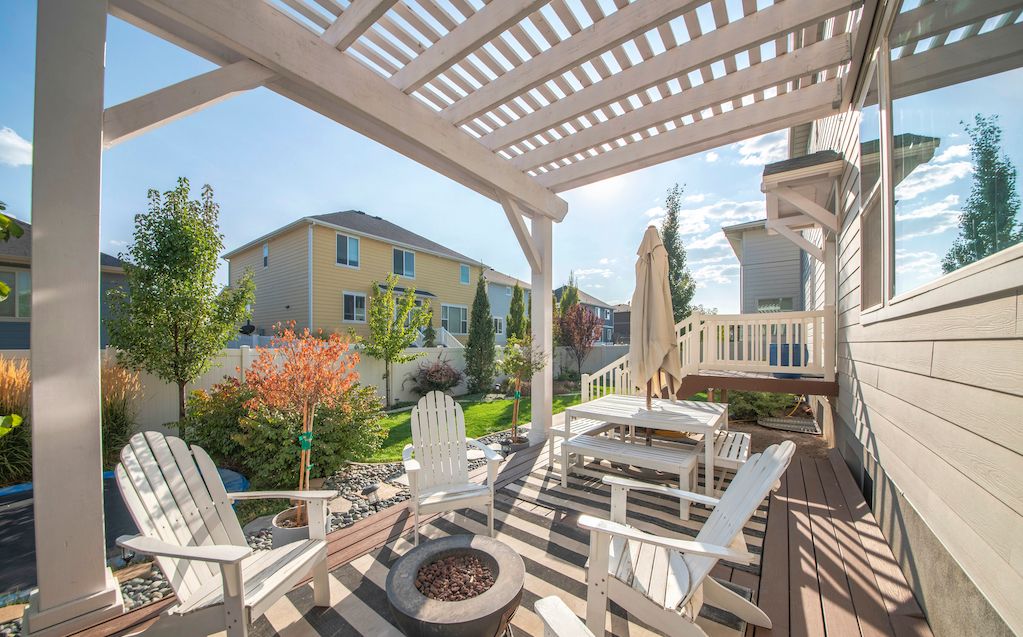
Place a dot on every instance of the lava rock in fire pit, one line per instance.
(454, 578)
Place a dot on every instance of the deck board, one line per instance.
(825, 569)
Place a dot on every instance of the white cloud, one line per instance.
(593, 273)
(713, 240)
(711, 157)
(764, 149)
(722, 274)
(697, 198)
(930, 177)
(694, 221)
(719, 259)
(953, 152)
(923, 265)
(118, 243)
(938, 228)
(14, 150)
(656, 211)
(941, 208)
(607, 261)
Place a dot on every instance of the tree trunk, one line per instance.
(181, 408)
(387, 385)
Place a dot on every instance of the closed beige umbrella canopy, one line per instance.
(653, 342)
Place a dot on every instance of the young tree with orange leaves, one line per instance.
(299, 372)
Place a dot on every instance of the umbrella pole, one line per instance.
(649, 388)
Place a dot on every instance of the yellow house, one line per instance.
(319, 270)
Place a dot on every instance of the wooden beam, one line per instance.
(938, 18)
(356, 20)
(134, 117)
(747, 33)
(518, 224)
(351, 94)
(730, 87)
(796, 107)
(796, 238)
(604, 35)
(810, 207)
(480, 28)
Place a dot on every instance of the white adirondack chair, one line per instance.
(664, 581)
(179, 503)
(558, 619)
(437, 462)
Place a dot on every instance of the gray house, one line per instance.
(499, 293)
(604, 311)
(15, 271)
(771, 269)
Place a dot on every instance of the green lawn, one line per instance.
(480, 419)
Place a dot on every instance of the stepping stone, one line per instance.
(402, 479)
(339, 505)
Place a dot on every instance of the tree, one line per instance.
(8, 228)
(579, 329)
(171, 318)
(394, 325)
(298, 373)
(516, 322)
(520, 360)
(988, 221)
(429, 335)
(479, 350)
(569, 294)
(680, 281)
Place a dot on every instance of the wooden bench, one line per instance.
(731, 450)
(578, 427)
(676, 461)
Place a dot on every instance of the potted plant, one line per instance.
(520, 360)
(297, 374)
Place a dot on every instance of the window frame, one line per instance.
(499, 320)
(994, 274)
(444, 307)
(15, 298)
(464, 267)
(348, 238)
(266, 254)
(405, 253)
(365, 306)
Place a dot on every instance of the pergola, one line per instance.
(515, 99)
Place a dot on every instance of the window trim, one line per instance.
(266, 254)
(503, 327)
(404, 251)
(468, 273)
(443, 317)
(348, 237)
(365, 306)
(13, 297)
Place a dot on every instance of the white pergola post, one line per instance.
(541, 318)
(76, 589)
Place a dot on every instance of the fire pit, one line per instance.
(458, 568)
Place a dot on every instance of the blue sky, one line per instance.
(271, 161)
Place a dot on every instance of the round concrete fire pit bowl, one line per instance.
(486, 615)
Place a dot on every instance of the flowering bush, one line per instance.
(436, 375)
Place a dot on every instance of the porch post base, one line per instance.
(76, 615)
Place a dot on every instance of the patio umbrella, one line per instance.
(653, 352)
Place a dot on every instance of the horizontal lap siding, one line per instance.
(936, 399)
(770, 268)
(282, 288)
(437, 275)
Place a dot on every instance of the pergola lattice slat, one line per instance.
(359, 17)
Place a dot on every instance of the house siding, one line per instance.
(282, 288)
(770, 267)
(434, 274)
(929, 410)
(500, 296)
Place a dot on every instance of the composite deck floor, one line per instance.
(824, 568)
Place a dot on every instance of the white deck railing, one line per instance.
(799, 343)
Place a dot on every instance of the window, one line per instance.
(455, 318)
(607, 314)
(266, 254)
(18, 303)
(405, 263)
(870, 137)
(498, 325)
(463, 274)
(353, 308)
(775, 304)
(347, 250)
(507, 291)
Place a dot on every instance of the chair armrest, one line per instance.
(307, 496)
(558, 619)
(684, 546)
(218, 553)
(488, 453)
(411, 466)
(406, 452)
(636, 485)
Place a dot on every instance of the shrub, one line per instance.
(120, 388)
(213, 421)
(16, 446)
(435, 375)
(744, 405)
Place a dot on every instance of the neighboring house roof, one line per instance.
(20, 249)
(586, 298)
(622, 307)
(734, 234)
(805, 161)
(360, 223)
(500, 278)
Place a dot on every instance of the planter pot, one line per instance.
(282, 535)
(511, 445)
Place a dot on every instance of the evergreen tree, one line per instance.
(988, 222)
(479, 350)
(680, 281)
(515, 325)
(569, 294)
(429, 335)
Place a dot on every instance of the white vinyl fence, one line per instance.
(158, 403)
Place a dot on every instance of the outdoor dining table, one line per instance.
(682, 416)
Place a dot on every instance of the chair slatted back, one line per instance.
(751, 484)
(438, 441)
(176, 495)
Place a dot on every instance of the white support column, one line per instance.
(76, 589)
(541, 319)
